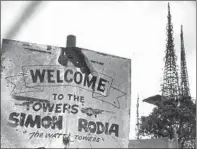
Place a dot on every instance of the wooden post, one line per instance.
(71, 41)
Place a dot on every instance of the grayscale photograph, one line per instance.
(98, 74)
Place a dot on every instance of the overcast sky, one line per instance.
(130, 29)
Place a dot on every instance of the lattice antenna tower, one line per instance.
(170, 86)
(184, 85)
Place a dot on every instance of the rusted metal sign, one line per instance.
(47, 102)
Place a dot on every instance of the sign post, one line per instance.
(63, 97)
(71, 42)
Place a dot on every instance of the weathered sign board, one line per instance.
(47, 104)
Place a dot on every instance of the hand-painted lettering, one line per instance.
(98, 127)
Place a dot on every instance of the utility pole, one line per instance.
(137, 112)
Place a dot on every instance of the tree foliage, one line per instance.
(171, 118)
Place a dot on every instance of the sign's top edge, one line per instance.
(104, 54)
